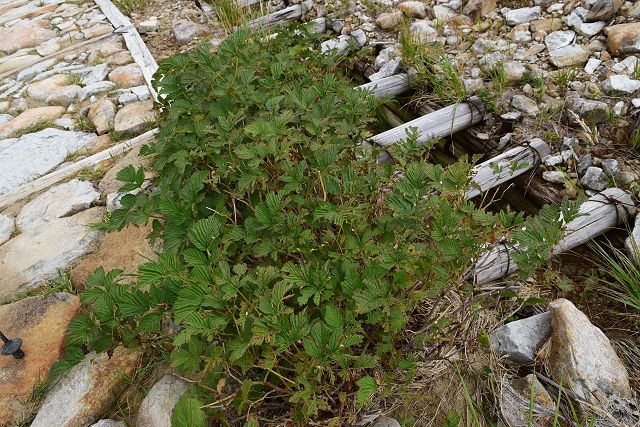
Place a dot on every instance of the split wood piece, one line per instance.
(438, 124)
(138, 50)
(598, 215)
(389, 86)
(507, 166)
(56, 54)
(276, 18)
(27, 190)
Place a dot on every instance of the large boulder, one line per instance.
(582, 358)
(30, 259)
(156, 408)
(41, 322)
(88, 390)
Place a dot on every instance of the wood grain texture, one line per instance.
(139, 51)
(281, 16)
(389, 86)
(438, 124)
(27, 190)
(599, 214)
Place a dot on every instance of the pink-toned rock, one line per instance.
(623, 39)
(134, 118)
(102, 114)
(21, 36)
(42, 89)
(127, 76)
(30, 117)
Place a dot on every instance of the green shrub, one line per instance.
(291, 269)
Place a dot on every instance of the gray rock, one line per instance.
(184, 31)
(505, 140)
(593, 112)
(620, 83)
(514, 71)
(519, 341)
(360, 37)
(57, 202)
(109, 423)
(413, 9)
(594, 179)
(443, 13)
(97, 74)
(102, 114)
(134, 118)
(556, 177)
(157, 406)
(385, 55)
(95, 88)
(524, 104)
(516, 403)
(4, 118)
(585, 163)
(558, 39)
(522, 15)
(7, 227)
(338, 46)
(584, 29)
(553, 160)
(511, 116)
(38, 68)
(386, 422)
(592, 65)
(569, 56)
(611, 167)
(388, 69)
(148, 26)
(25, 158)
(626, 66)
(31, 258)
(423, 31)
(581, 356)
(64, 96)
(389, 20)
(603, 10)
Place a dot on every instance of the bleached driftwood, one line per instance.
(27, 190)
(507, 166)
(389, 86)
(598, 215)
(281, 16)
(438, 124)
(139, 51)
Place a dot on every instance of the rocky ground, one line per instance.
(566, 72)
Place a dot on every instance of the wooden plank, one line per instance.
(389, 86)
(279, 17)
(507, 166)
(139, 51)
(438, 124)
(27, 190)
(599, 214)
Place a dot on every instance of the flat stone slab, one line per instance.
(88, 390)
(57, 202)
(29, 118)
(30, 156)
(35, 256)
(7, 227)
(41, 323)
(25, 35)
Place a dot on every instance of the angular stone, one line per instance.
(102, 115)
(37, 255)
(547, 25)
(24, 159)
(423, 31)
(127, 76)
(23, 35)
(620, 83)
(23, 121)
(603, 10)
(582, 357)
(97, 74)
(584, 29)
(516, 406)
(148, 26)
(569, 56)
(479, 7)
(522, 15)
(97, 31)
(119, 58)
(87, 390)
(63, 96)
(134, 118)
(127, 250)
(611, 167)
(156, 408)
(386, 422)
(556, 177)
(41, 90)
(413, 9)
(57, 202)
(41, 322)
(7, 227)
(524, 104)
(559, 39)
(94, 89)
(593, 112)
(520, 340)
(109, 423)
(49, 47)
(594, 179)
(443, 13)
(592, 65)
(514, 71)
(38, 68)
(389, 20)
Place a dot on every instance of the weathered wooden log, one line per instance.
(389, 86)
(440, 123)
(27, 190)
(507, 166)
(597, 215)
(138, 50)
(281, 16)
